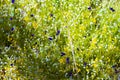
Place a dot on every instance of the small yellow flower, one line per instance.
(35, 25)
(92, 76)
(51, 8)
(7, 68)
(94, 20)
(78, 70)
(26, 18)
(67, 13)
(104, 29)
(111, 46)
(87, 70)
(66, 50)
(77, 64)
(61, 60)
(18, 78)
(94, 41)
(49, 18)
(94, 65)
(82, 28)
(108, 59)
(9, 38)
(96, 59)
(33, 46)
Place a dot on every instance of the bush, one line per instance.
(57, 39)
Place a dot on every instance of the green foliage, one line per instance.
(59, 40)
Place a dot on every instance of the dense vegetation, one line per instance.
(59, 39)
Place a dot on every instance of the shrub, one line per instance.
(57, 39)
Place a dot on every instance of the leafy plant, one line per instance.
(57, 39)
